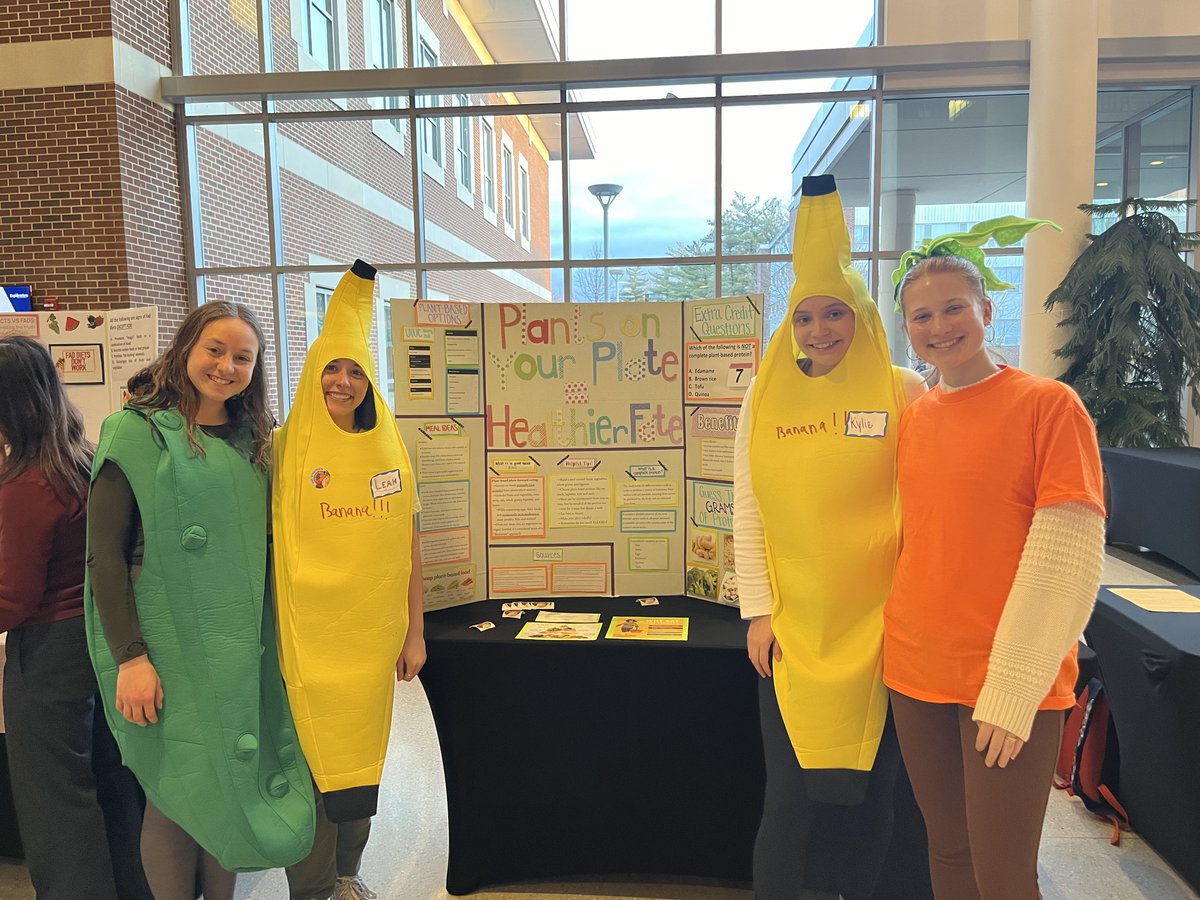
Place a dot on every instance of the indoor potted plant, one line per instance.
(1132, 305)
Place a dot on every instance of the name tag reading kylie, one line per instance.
(385, 484)
(866, 424)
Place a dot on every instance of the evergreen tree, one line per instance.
(747, 227)
(1133, 307)
(639, 284)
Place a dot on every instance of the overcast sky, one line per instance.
(664, 158)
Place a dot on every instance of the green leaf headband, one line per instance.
(1005, 231)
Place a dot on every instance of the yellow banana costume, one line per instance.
(342, 511)
(823, 457)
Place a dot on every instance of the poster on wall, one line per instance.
(78, 363)
(574, 450)
(95, 352)
(722, 352)
(132, 345)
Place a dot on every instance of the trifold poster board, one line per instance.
(95, 351)
(574, 450)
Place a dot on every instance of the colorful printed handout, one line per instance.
(648, 628)
(559, 631)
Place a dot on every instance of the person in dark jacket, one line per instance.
(78, 809)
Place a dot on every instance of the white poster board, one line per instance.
(94, 351)
(574, 450)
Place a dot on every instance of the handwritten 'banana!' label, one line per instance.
(866, 424)
(385, 484)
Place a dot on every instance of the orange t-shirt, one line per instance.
(973, 466)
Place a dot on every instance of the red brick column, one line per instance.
(88, 172)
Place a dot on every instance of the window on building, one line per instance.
(319, 31)
(431, 127)
(506, 184)
(387, 377)
(488, 164)
(464, 153)
(381, 46)
(321, 297)
(523, 187)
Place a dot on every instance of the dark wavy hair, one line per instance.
(40, 424)
(164, 384)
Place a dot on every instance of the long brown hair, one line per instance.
(42, 427)
(164, 384)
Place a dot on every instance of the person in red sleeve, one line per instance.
(61, 755)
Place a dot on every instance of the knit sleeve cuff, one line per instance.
(1011, 712)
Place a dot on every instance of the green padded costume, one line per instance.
(223, 761)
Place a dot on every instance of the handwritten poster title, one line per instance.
(582, 355)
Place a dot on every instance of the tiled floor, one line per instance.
(406, 857)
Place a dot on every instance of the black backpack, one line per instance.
(1089, 760)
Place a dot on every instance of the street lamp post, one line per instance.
(606, 194)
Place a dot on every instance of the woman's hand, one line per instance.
(412, 657)
(139, 691)
(761, 645)
(998, 746)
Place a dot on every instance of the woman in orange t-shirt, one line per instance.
(1000, 484)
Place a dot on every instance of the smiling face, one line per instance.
(344, 384)
(945, 318)
(220, 366)
(823, 327)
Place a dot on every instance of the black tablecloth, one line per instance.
(1150, 663)
(607, 758)
(1155, 501)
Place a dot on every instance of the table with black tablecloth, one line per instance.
(607, 758)
(1150, 663)
(1155, 501)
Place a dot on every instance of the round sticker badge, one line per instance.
(320, 477)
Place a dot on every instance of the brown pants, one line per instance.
(984, 824)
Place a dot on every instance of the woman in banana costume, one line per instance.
(348, 584)
(817, 531)
(179, 626)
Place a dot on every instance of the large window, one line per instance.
(662, 189)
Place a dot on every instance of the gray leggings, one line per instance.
(984, 824)
(176, 866)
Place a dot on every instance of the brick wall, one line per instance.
(61, 223)
(151, 208)
(316, 222)
(144, 25)
(37, 20)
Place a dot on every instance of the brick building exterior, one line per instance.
(96, 198)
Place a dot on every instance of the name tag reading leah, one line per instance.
(866, 424)
(385, 484)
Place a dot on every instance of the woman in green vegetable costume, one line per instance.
(180, 630)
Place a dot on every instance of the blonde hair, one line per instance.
(946, 264)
